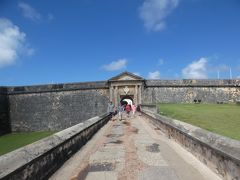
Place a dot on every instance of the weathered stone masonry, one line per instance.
(221, 154)
(4, 119)
(185, 91)
(41, 159)
(58, 106)
(55, 107)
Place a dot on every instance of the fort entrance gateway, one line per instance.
(126, 86)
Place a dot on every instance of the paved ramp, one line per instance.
(133, 149)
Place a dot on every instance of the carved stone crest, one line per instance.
(126, 90)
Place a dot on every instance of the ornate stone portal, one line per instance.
(126, 86)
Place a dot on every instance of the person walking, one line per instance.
(110, 109)
(134, 109)
(120, 111)
(128, 109)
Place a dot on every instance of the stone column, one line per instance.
(116, 96)
(111, 93)
(113, 96)
(140, 94)
(136, 95)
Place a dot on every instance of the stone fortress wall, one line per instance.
(186, 91)
(53, 107)
(4, 119)
(58, 106)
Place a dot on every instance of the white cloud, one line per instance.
(154, 75)
(196, 70)
(116, 65)
(29, 12)
(154, 13)
(137, 73)
(12, 43)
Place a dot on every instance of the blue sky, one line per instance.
(56, 41)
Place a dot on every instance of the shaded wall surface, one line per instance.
(185, 91)
(55, 107)
(4, 118)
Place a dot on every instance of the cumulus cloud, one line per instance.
(137, 73)
(12, 43)
(196, 70)
(116, 65)
(154, 12)
(154, 75)
(29, 12)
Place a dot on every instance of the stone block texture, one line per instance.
(41, 159)
(219, 153)
(58, 106)
(54, 110)
(185, 91)
(4, 118)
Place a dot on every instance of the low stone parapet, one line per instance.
(150, 108)
(238, 102)
(219, 153)
(42, 158)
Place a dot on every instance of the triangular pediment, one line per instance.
(126, 76)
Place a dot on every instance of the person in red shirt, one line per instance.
(128, 109)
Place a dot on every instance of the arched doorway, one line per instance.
(126, 84)
(126, 100)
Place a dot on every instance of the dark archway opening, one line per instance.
(128, 99)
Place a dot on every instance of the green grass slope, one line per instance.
(223, 119)
(14, 141)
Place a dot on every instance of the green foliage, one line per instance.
(222, 119)
(14, 141)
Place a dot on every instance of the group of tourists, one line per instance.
(128, 109)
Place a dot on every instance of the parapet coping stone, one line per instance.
(194, 83)
(12, 90)
(3, 90)
(224, 145)
(20, 157)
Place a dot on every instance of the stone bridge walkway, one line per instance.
(133, 149)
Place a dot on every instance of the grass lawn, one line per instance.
(222, 119)
(13, 141)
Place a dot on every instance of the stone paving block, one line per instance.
(145, 140)
(142, 154)
(158, 173)
(105, 166)
(110, 154)
(148, 157)
(151, 159)
(102, 176)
